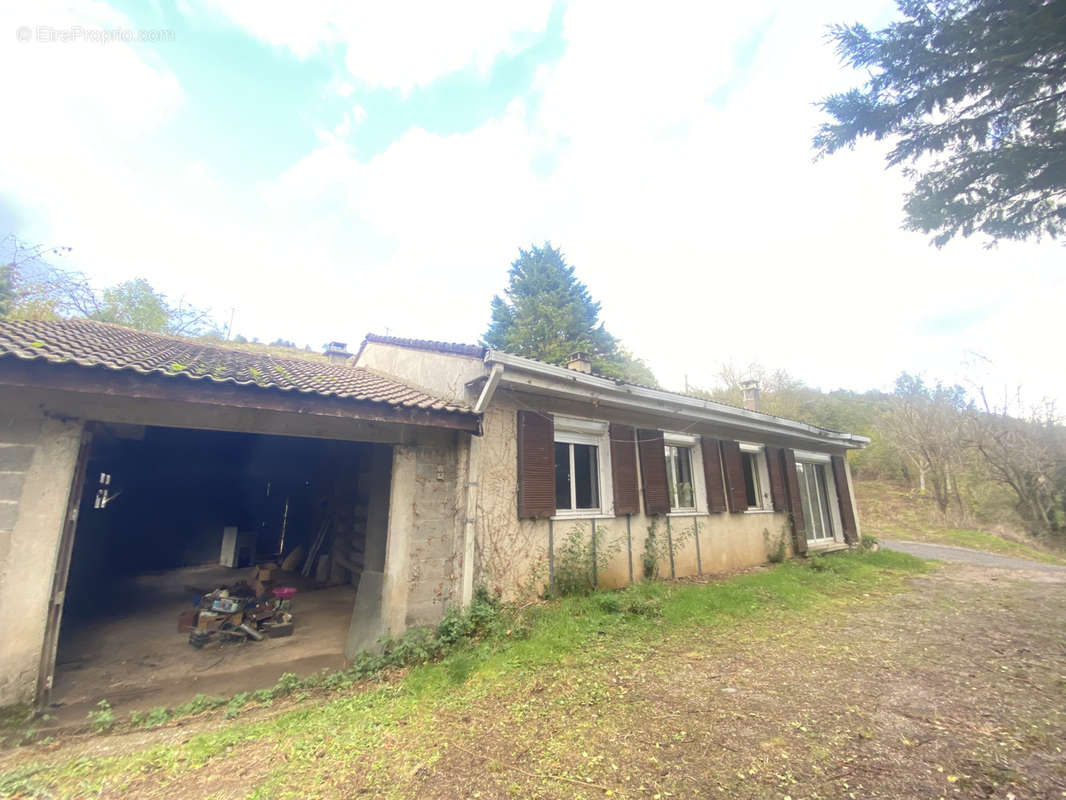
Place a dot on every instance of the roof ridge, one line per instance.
(455, 348)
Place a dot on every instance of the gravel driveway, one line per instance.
(947, 552)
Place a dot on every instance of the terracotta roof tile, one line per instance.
(99, 344)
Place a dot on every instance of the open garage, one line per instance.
(169, 515)
(157, 493)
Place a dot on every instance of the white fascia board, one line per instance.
(578, 385)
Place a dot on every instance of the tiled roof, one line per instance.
(455, 348)
(98, 344)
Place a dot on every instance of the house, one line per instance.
(134, 464)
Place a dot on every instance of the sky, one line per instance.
(325, 169)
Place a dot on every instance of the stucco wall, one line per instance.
(37, 460)
(512, 555)
(441, 374)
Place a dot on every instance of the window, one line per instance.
(814, 492)
(679, 478)
(582, 467)
(756, 477)
(576, 477)
(751, 479)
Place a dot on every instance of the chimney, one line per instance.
(750, 388)
(579, 362)
(337, 352)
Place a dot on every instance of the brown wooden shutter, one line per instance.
(712, 474)
(847, 511)
(624, 469)
(653, 471)
(776, 468)
(734, 476)
(795, 503)
(536, 465)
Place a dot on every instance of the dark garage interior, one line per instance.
(168, 514)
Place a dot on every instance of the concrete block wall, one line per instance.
(37, 460)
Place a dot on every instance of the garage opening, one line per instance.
(176, 527)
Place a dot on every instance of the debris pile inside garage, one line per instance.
(244, 611)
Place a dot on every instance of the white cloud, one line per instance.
(706, 230)
(395, 45)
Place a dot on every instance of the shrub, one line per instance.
(287, 684)
(657, 549)
(103, 719)
(775, 550)
(651, 552)
(578, 561)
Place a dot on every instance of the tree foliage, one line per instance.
(7, 293)
(925, 423)
(1028, 456)
(974, 94)
(33, 288)
(987, 463)
(548, 314)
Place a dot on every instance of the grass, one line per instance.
(893, 512)
(329, 732)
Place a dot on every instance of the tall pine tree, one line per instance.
(973, 93)
(549, 314)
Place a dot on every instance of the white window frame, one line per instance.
(575, 430)
(762, 478)
(831, 499)
(699, 489)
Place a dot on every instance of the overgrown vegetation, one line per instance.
(775, 545)
(103, 718)
(580, 559)
(662, 547)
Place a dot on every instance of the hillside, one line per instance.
(893, 511)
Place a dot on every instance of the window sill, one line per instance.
(692, 513)
(826, 547)
(580, 516)
(760, 511)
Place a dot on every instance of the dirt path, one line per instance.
(954, 689)
(965, 555)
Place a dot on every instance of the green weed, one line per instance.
(103, 718)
